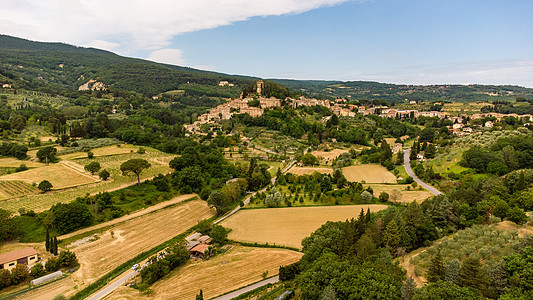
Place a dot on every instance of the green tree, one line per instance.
(219, 234)
(37, 270)
(45, 186)
(5, 278)
(408, 289)
(383, 197)
(8, 228)
(470, 273)
(93, 167)
(273, 198)
(430, 152)
(51, 265)
(104, 174)
(135, 166)
(90, 154)
(436, 270)
(220, 201)
(451, 272)
(391, 236)
(309, 159)
(47, 154)
(19, 273)
(67, 259)
(200, 296)
(446, 290)
(366, 196)
(517, 215)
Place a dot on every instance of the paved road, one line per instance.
(108, 289)
(407, 166)
(248, 288)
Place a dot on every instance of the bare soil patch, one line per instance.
(368, 174)
(328, 156)
(288, 226)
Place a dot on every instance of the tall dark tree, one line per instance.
(436, 269)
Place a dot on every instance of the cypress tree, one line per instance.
(47, 243)
(55, 245)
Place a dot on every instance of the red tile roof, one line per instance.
(200, 248)
(17, 254)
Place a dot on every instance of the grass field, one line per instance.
(287, 226)
(401, 190)
(309, 170)
(60, 175)
(448, 161)
(112, 163)
(238, 267)
(126, 240)
(368, 174)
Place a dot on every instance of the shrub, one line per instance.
(37, 270)
(51, 265)
(90, 154)
(67, 259)
(104, 174)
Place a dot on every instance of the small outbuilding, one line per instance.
(9, 260)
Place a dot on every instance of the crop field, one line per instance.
(125, 240)
(11, 162)
(103, 151)
(399, 192)
(238, 267)
(288, 226)
(15, 188)
(309, 170)
(327, 157)
(368, 174)
(112, 163)
(60, 176)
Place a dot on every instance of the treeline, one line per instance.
(162, 264)
(355, 259)
(506, 155)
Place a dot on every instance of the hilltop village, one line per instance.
(463, 124)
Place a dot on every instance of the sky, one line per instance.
(392, 41)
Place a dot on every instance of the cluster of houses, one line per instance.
(198, 244)
(339, 107)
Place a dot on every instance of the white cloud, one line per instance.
(167, 56)
(134, 24)
(105, 45)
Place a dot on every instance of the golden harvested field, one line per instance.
(368, 174)
(103, 151)
(328, 156)
(13, 163)
(289, 225)
(60, 176)
(400, 189)
(238, 267)
(126, 240)
(309, 170)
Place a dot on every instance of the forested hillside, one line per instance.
(57, 68)
(355, 90)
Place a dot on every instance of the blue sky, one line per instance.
(413, 42)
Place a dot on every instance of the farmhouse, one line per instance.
(199, 250)
(26, 256)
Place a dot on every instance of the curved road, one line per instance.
(249, 288)
(407, 166)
